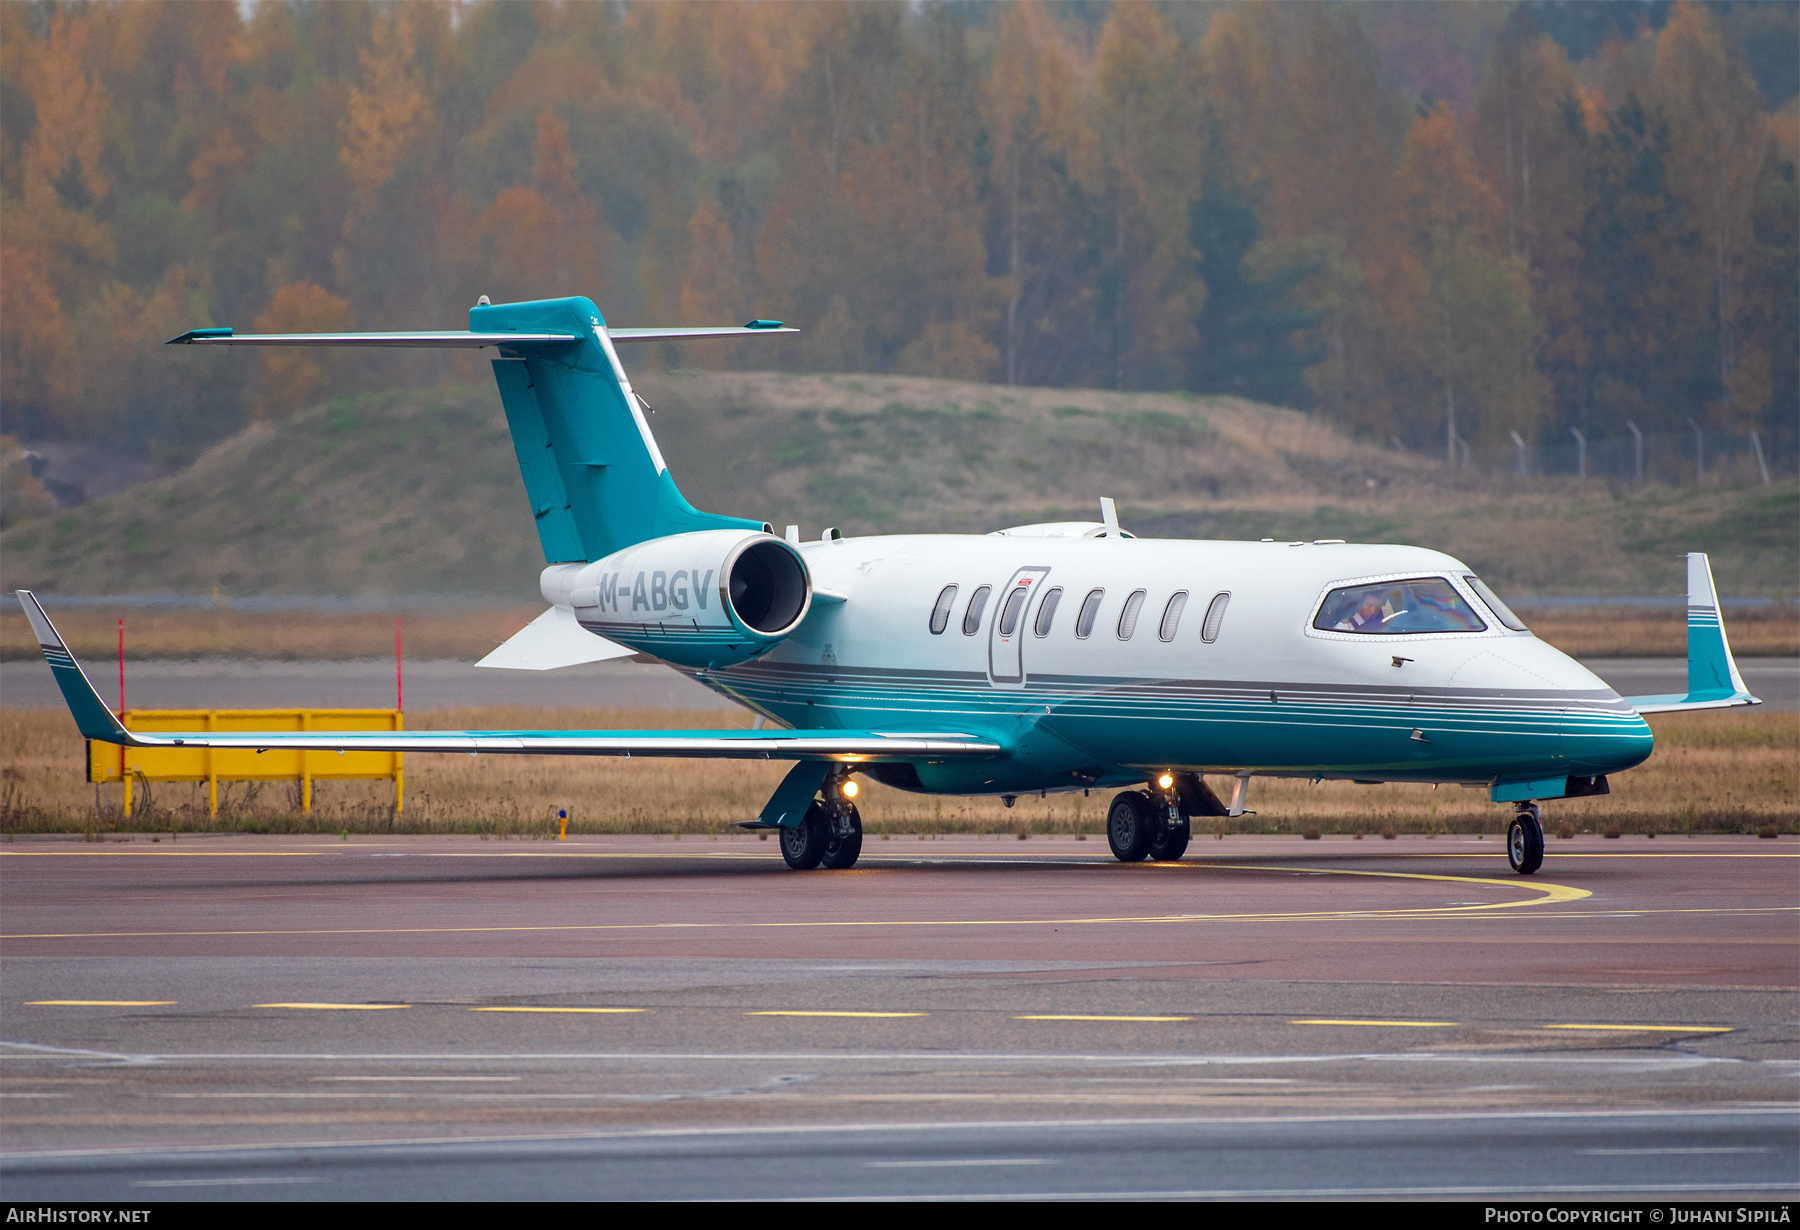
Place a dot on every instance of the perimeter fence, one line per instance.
(1712, 458)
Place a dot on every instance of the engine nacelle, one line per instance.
(707, 599)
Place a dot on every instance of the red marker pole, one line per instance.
(399, 678)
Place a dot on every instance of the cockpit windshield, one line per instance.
(1423, 604)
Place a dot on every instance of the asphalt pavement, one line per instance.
(450, 1018)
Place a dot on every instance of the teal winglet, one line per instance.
(786, 808)
(1713, 678)
(91, 715)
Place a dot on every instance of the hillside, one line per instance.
(417, 492)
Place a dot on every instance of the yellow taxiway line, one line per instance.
(1071, 1017)
(1406, 1024)
(99, 1003)
(336, 1007)
(1547, 894)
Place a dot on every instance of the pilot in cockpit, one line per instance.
(1368, 615)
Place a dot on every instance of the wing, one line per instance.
(96, 721)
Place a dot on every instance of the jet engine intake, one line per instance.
(712, 598)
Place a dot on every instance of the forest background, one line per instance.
(1529, 216)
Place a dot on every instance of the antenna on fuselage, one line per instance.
(1109, 513)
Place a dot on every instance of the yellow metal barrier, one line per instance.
(109, 762)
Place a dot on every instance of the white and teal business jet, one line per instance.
(1035, 659)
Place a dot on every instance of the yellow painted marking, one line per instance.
(604, 1010)
(855, 1014)
(1101, 1018)
(337, 1007)
(1408, 1024)
(1660, 1029)
(99, 1003)
(1548, 894)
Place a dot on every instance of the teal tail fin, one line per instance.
(92, 717)
(596, 479)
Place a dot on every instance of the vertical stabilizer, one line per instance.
(592, 470)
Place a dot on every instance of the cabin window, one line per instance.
(1090, 610)
(1047, 612)
(1501, 611)
(940, 614)
(1398, 608)
(1215, 615)
(1172, 616)
(1015, 604)
(977, 604)
(1128, 616)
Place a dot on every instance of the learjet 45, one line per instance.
(1037, 659)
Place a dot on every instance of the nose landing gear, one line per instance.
(1525, 839)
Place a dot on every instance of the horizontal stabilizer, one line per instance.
(456, 339)
(552, 640)
(676, 335)
(448, 339)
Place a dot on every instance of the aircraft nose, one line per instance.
(1608, 741)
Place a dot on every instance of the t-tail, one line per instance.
(594, 475)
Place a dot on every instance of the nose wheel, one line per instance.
(1525, 840)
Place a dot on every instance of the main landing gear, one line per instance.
(1525, 839)
(1149, 824)
(830, 834)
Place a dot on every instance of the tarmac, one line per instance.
(634, 1017)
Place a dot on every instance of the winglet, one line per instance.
(1713, 678)
(195, 335)
(91, 715)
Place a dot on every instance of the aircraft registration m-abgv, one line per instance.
(1041, 658)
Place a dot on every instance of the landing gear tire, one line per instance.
(840, 851)
(1131, 826)
(1170, 841)
(1525, 841)
(803, 846)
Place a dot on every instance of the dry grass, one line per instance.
(1628, 632)
(93, 633)
(1712, 772)
(1600, 632)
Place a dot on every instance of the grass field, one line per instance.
(418, 492)
(1712, 772)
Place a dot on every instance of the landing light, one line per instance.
(850, 790)
(1165, 781)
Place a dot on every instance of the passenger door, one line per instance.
(1006, 635)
